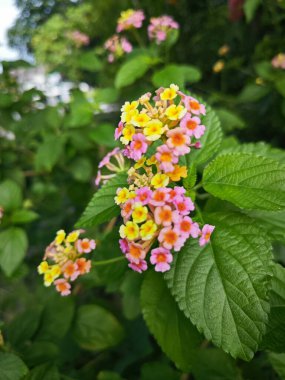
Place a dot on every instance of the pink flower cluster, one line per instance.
(279, 61)
(157, 215)
(160, 27)
(130, 19)
(80, 39)
(177, 124)
(117, 46)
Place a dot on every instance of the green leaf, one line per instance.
(250, 8)
(13, 246)
(214, 364)
(23, 216)
(10, 195)
(223, 287)
(108, 375)
(278, 363)
(102, 206)
(103, 134)
(49, 153)
(90, 62)
(175, 334)
(96, 328)
(252, 93)
(11, 367)
(178, 74)
(130, 289)
(158, 371)
(210, 141)
(280, 85)
(24, 326)
(274, 339)
(132, 70)
(40, 352)
(246, 180)
(44, 372)
(190, 180)
(259, 148)
(81, 169)
(56, 318)
(81, 111)
(106, 95)
(272, 222)
(229, 120)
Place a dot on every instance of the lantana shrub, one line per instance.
(202, 214)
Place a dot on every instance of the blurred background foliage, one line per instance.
(49, 151)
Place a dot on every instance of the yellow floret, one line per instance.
(43, 267)
(174, 112)
(140, 163)
(55, 271)
(128, 116)
(122, 196)
(148, 230)
(153, 130)
(73, 236)
(159, 180)
(168, 94)
(130, 231)
(48, 279)
(140, 120)
(178, 173)
(60, 236)
(128, 133)
(139, 213)
(127, 107)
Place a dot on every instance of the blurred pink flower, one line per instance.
(279, 61)
(79, 38)
(130, 19)
(160, 27)
(117, 46)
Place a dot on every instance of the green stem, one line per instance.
(198, 186)
(110, 261)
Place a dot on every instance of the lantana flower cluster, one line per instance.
(160, 27)
(159, 30)
(156, 213)
(117, 46)
(80, 39)
(172, 119)
(64, 260)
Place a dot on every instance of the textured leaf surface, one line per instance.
(223, 286)
(274, 339)
(13, 246)
(260, 149)
(272, 222)
(248, 181)
(211, 140)
(173, 331)
(102, 206)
